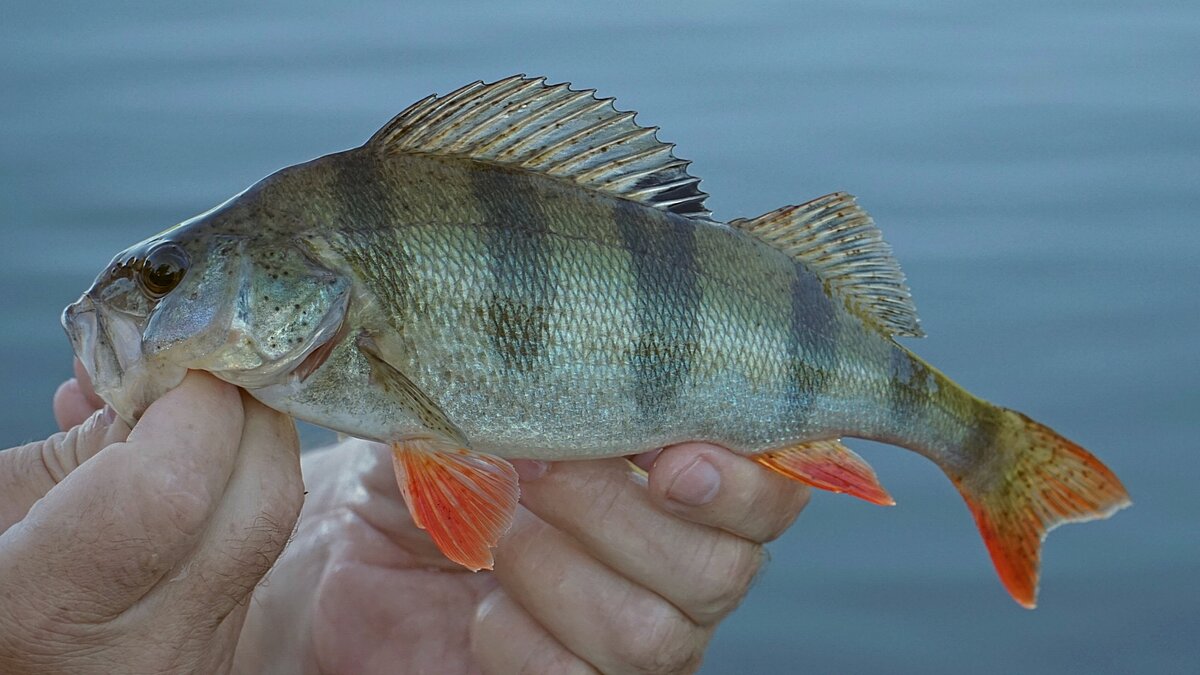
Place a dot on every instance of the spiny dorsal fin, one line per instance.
(552, 129)
(839, 242)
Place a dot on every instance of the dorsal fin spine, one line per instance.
(597, 104)
(468, 139)
(581, 157)
(436, 137)
(590, 173)
(521, 142)
(574, 138)
(636, 176)
(548, 129)
(451, 105)
(490, 144)
(663, 188)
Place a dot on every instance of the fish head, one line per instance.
(248, 309)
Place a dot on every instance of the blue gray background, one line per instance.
(1036, 166)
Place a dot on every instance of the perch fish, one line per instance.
(519, 270)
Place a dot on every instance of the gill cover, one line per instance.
(250, 314)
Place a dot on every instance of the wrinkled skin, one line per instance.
(602, 572)
(136, 551)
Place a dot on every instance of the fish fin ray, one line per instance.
(835, 238)
(552, 129)
(1034, 481)
(465, 500)
(408, 394)
(828, 465)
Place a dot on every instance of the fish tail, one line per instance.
(1029, 481)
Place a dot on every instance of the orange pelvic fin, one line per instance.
(1038, 481)
(465, 500)
(828, 465)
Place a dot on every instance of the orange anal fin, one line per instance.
(828, 465)
(465, 500)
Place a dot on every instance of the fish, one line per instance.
(518, 269)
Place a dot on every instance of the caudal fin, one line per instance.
(1033, 481)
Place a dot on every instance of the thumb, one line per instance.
(29, 471)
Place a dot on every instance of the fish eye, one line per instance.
(162, 270)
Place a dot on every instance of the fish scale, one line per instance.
(518, 270)
(664, 358)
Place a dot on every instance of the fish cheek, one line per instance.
(194, 320)
(288, 303)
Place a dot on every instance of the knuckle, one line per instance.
(786, 514)
(247, 555)
(725, 578)
(658, 639)
(175, 498)
(553, 661)
(283, 503)
(37, 637)
(52, 451)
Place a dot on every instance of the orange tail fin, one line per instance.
(1037, 481)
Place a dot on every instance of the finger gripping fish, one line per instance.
(518, 270)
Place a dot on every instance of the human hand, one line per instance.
(136, 550)
(600, 572)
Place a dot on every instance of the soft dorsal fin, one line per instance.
(552, 129)
(839, 242)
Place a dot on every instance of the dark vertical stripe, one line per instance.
(517, 318)
(813, 332)
(909, 383)
(662, 249)
(363, 216)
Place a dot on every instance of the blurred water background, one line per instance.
(1035, 164)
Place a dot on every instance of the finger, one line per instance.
(71, 406)
(85, 384)
(27, 473)
(703, 571)
(113, 527)
(713, 486)
(603, 618)
(250, 526)
(505, 639)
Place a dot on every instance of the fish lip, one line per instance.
(108, 344)
(81, 320)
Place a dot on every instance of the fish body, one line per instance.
(517, 270)
(558, 324)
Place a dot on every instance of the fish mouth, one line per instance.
(109, 345)
(80, 322)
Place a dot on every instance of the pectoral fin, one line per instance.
(407, 394)
(828, 465)
(465, 500)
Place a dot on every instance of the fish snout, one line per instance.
(79, 320)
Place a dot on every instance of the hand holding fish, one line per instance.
(137, 550)
(599, 571)
(604, 569)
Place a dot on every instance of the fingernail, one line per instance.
(696, 485)
(108, 415)
(487, 605)
(530, 469)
